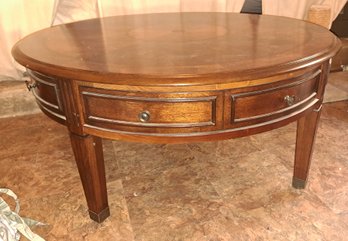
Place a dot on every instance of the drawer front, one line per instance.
(249, 108)
(151, 112)
(47, 94)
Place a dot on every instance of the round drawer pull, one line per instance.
(289, 100)
(144, 116)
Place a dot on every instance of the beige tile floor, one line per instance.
(238, 189)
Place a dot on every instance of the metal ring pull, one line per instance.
(31, 85)
(144, 116)
(289, 100)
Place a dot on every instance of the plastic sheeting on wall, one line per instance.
(110, 8)
(19, 18)
(66, 11)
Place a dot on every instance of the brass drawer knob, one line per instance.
(144, 116)
(289, 100)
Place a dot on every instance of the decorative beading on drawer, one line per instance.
(46, 92)
(148, 111)
(272, 102)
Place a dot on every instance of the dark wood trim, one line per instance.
(278, 111)
(89, 158)
(306, 131)
(169, 125)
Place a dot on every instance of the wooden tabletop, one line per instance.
(157, 48)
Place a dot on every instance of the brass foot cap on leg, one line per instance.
(298, 183)
(101, 216)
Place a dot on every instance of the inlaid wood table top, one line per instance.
(182, 46)
(177, 77)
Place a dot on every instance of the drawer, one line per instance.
(151, 112)
(46, 92)
(266, 104)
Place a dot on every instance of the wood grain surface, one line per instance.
(176, 48)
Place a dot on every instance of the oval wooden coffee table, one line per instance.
(177, 77)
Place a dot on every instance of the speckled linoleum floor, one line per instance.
(229, 190)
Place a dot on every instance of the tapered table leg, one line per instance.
(89, 158)
(306, 130)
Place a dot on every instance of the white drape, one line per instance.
(21, 17)
(67, 10)
(133, 6)
(17, 19)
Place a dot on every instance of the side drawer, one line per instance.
(46, 92)
(266, 104)
(151, 112)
